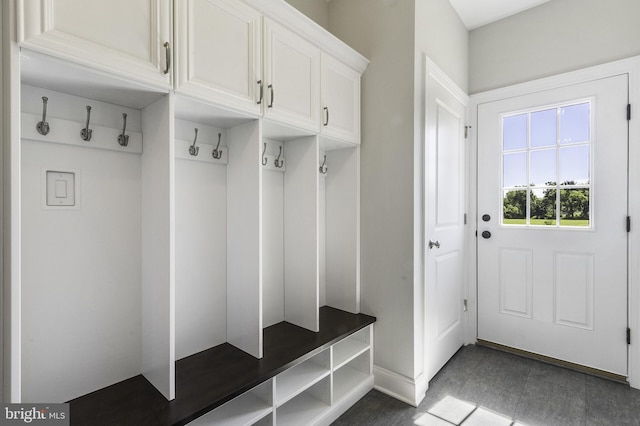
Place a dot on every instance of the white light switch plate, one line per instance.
(60, 189)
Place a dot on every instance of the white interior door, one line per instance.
(552, 237)
(444, 239)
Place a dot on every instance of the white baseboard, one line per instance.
(400, 387)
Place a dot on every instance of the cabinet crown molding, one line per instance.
(283, 13)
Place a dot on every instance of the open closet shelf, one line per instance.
(210, 378)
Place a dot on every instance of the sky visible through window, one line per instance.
(545, 151)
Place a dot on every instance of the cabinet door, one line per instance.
(219, 52)
(292, 74)
(122, 37)
(340, 100)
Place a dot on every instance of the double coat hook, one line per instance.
(264, 159)
(323, 167)
(85, 133)
(43, 126)
(278, 162)
(217, 154)
(193, 149)
(123, 139)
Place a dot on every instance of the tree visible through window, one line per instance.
(546, 166)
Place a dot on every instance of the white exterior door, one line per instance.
(444, 224)
(552, 211)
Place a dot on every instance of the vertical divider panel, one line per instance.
(158, 251)
(342, 226)
(301, 298)
(244, 236)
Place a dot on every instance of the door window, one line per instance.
(546, 167)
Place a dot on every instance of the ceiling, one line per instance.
(476, 13)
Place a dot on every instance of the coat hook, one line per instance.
(264, 160)
(123, 139)
(85, 133)
(323, 167)
(193, 149)
(217, 154)
(279, 163)
(43, 126)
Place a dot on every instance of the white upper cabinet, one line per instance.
(218, 55)
(128, 38)
(340, 100)
(292, 78)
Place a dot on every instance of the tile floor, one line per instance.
(485, 387)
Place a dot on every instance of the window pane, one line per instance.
(543, 128)
(574, 207)
(574, 123)
(543, 207)
(514, 132)
(574, 165)
(515, 170)
(514, 211)
(543, 167)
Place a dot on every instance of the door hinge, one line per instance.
(466, 131)
(464, 305)
(628, 224)
(628, 112)
(628, 336)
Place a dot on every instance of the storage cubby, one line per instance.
(350, 347)
(304, 375)
(290, 232)
(254, 407)
(86, 278)
(339, 195)
(307, 407)
(201, 237)
(351, 375)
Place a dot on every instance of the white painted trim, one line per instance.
(630, 66)
(411, 391)
(12, 366)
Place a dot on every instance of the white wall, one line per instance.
(81, 325)
(317, 10)
(394, 35)
(556, 37)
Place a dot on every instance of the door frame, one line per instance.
(630, 66)
(434, 71)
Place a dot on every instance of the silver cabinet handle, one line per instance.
(261, 91)
(326, 121)
(433, 244)
(167, 48)
(272, 96)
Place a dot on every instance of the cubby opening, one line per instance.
(339, 207)
(290, 232)
(304, 375)
(307, 406)
(84, 297)
(254, 407)
(351, 375)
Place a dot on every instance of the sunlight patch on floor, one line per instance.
(453, 411)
